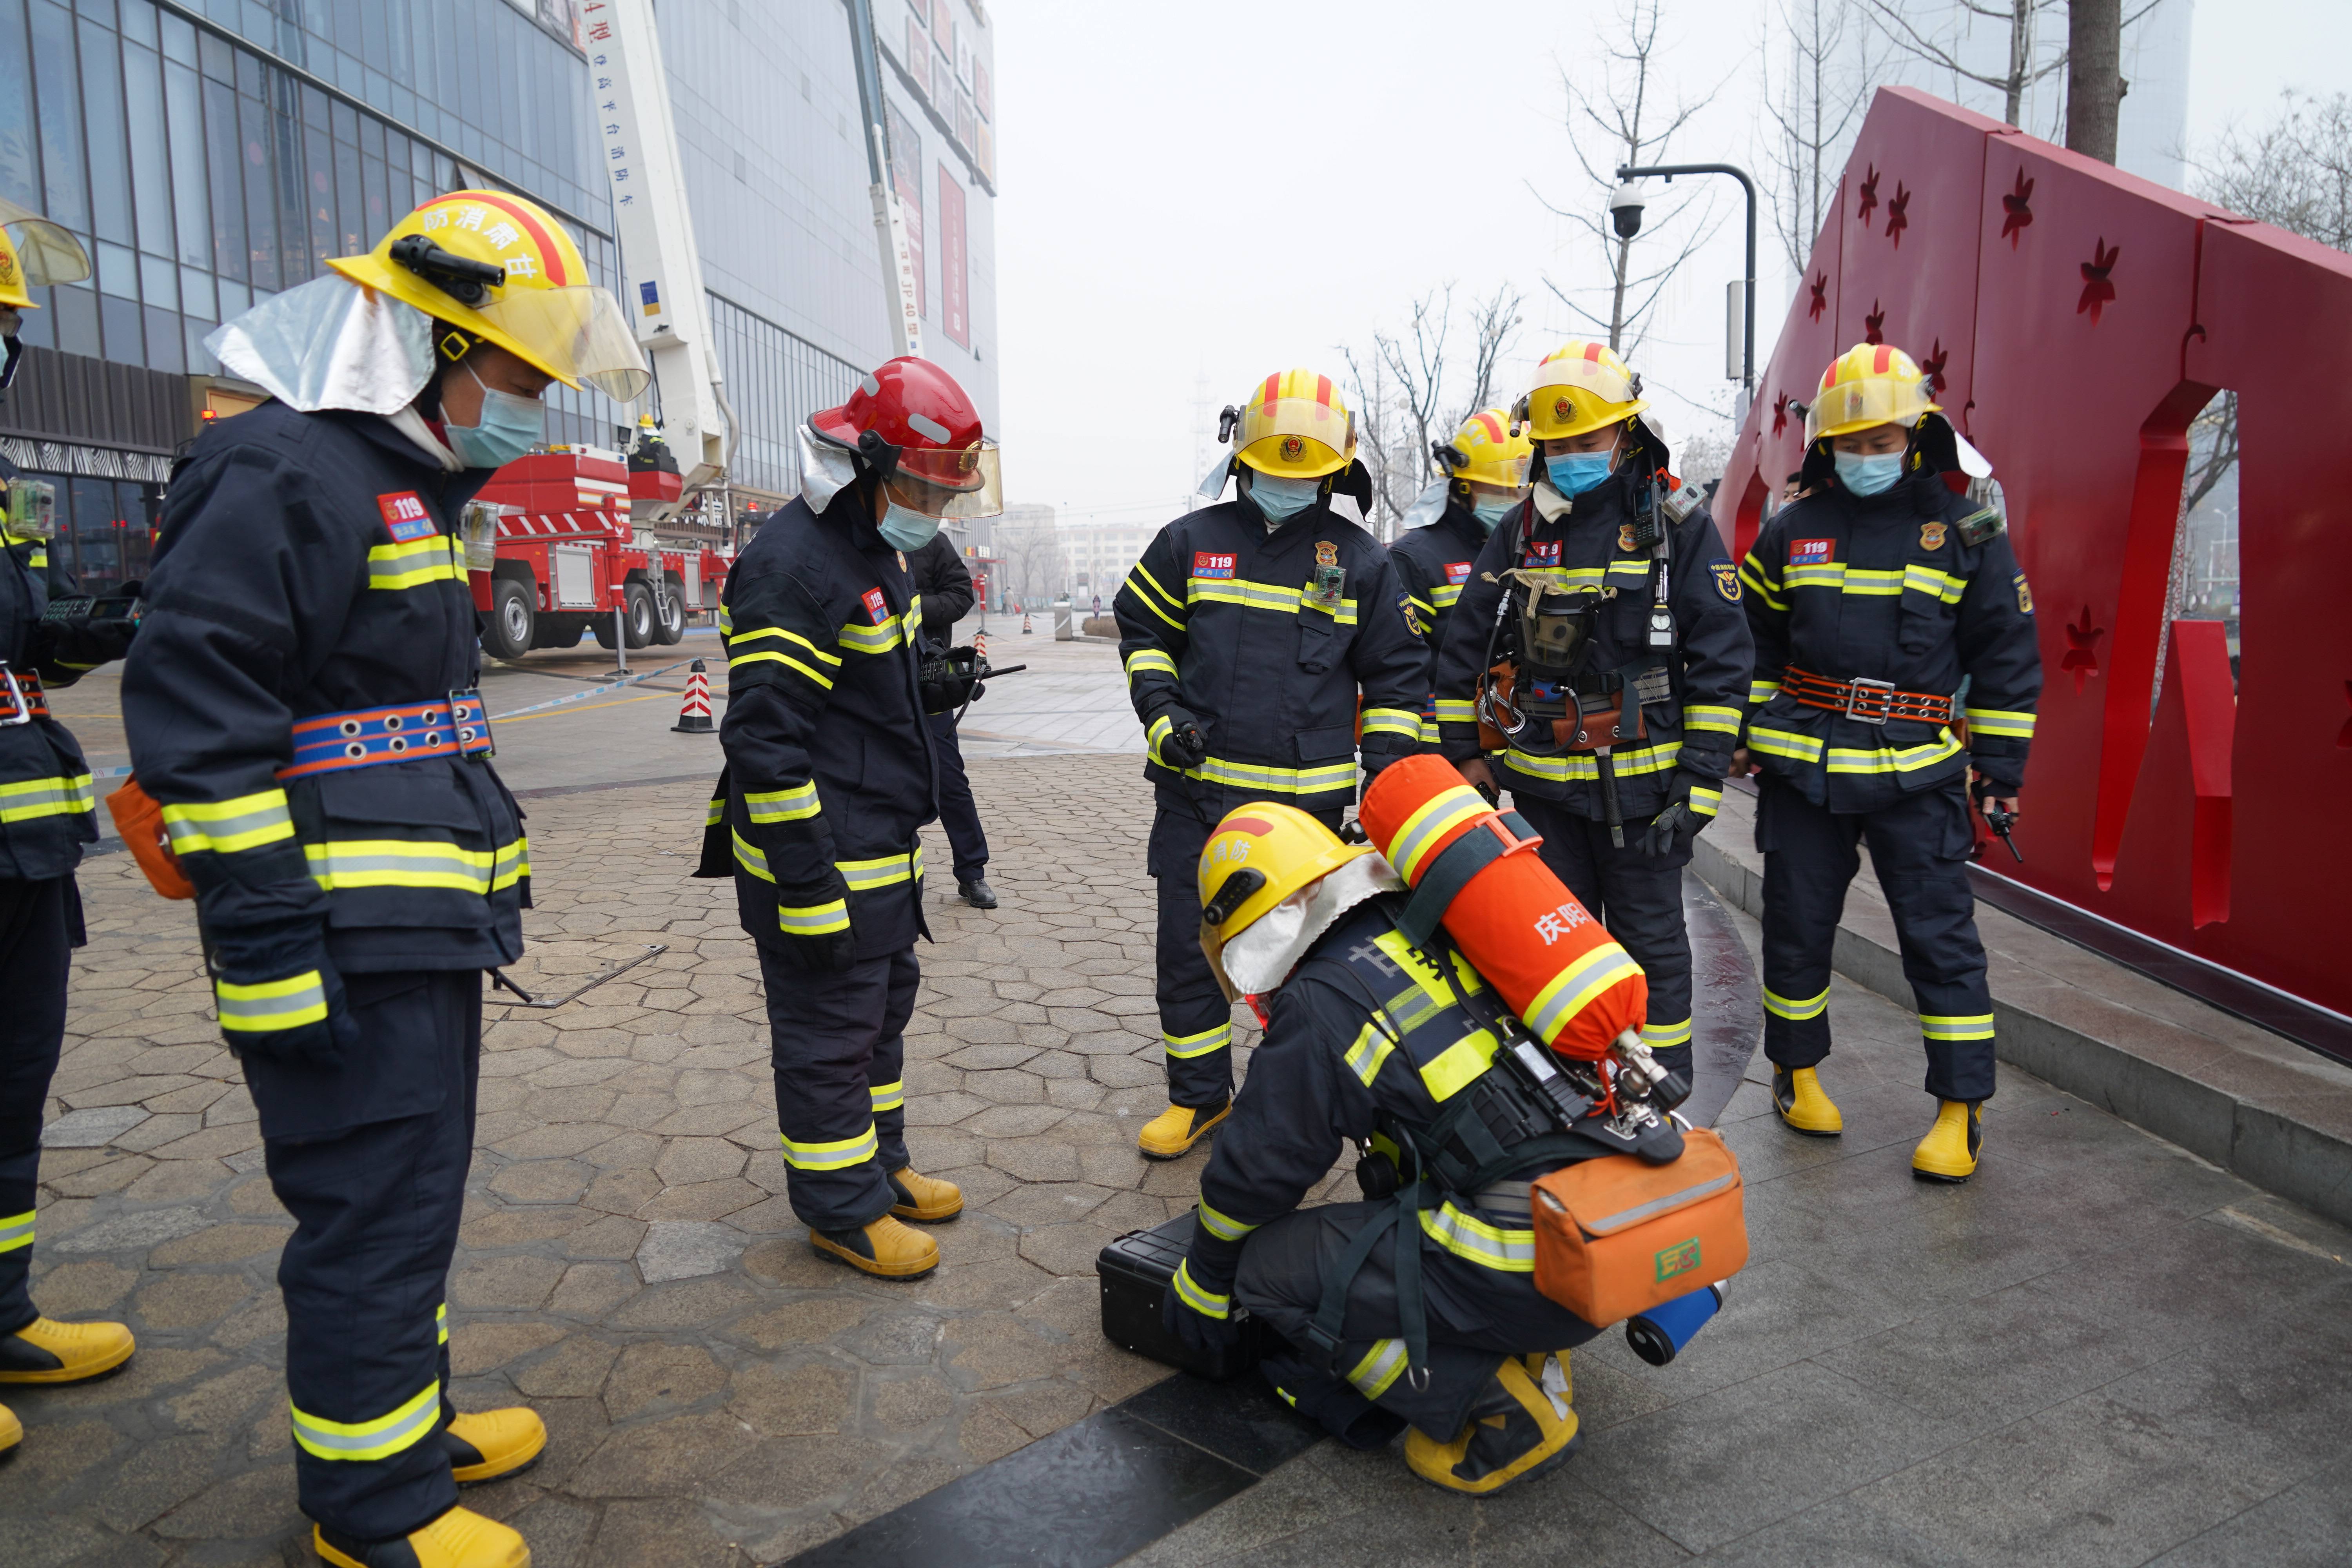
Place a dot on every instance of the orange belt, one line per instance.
(1864, 700)
(21, 691)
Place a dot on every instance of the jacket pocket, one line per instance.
(1321, 640)
(403, 794)
(1326, 745)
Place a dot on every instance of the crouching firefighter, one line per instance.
(830, 769)
(1876, 599)
(1250, 630)
(302, 705)
(1485, 468)
(1598, 644)
(1418, 1307)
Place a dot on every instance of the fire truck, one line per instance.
(553, 553)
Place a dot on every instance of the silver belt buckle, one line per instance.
(1882, 691)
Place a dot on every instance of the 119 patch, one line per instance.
(1811, 551)
(404, 516)
(1209, 563)
(877, 606)
(1727, 580)
(1541, 553)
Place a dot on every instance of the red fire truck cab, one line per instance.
(551, 554)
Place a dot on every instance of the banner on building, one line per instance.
(954, 312)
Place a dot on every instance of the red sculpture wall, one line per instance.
(2076, 318)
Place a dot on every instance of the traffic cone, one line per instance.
(694, 713)
(1024, 622)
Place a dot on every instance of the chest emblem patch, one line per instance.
(1207, 564)
(1458, 572)
(1326, 553)
(1625, 536)
(877, 608)
(406, 516)
(1931, 536)
(1811, 551)
(1727, 580)
(1542, 553)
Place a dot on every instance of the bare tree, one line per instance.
(2020, 16)
(1030, 550)
(1816, 107)
(1632, 128)
(1412, 391)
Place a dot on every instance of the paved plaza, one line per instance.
(2102, 1351)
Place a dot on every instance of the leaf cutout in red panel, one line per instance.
(1932, 367)
(1874, 325)
(1898, 220)
(2083, 650)
(2098, 293)
(2017, 214)
(1869, 193)
(1820, 288)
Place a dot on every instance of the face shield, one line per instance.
(1858, 405)
(575, 333)
(46, 254)
(962, 483)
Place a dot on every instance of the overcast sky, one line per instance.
(1196, 194)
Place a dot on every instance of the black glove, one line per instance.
(1993, 781)
(279, 995)
(1671, 830)
(1181, 745)
(1194, 1330)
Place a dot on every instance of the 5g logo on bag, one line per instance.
(1682, 1260)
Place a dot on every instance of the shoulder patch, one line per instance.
(1727, 580)
(2024, 595)
(1811, 551)
(406, 516)
(877, 608)
(1412, 622)
(1457, 572)
(1211, 563)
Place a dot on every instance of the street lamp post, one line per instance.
(1626, 209)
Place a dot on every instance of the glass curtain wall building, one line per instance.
(213, 153)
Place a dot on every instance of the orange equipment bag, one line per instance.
(1552, 963)
(141, 822)
(1617, 1236)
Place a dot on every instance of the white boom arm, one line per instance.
(659, 252)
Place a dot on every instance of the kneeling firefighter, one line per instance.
(302, 704)
(830, 769)
(1486, 466)
(1876, 599)
(1600, 639)
(1428, 1305)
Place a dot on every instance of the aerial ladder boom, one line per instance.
(901, 296)
(656, 230)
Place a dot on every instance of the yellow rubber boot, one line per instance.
(1175, 1129)
(884, 1249)
(12, 1431)
(1797, 1095)
(1948, 1152)
(1519, 1429)
(926, 1200)
(458, 1539)
(45, 1350)
(489, 1445)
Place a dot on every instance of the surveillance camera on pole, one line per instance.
(1626, 203)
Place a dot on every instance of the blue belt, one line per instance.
(458, 725)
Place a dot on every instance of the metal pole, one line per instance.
(1667, 172)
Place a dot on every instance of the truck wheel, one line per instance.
(638, 614)
(558, 631)
(669, 626)
(507, 628)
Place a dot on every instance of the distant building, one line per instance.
(1097, 557)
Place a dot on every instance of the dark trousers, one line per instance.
(1476, 1317)
(369, 1156)
(838, 1045)
(959, 813)
(1639, 897)
(1920, 846)
(40, 925)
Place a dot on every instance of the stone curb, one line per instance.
(2250, 1101)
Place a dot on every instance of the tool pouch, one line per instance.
(1617, 1236)
(141, 822)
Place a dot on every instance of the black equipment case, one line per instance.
(1135, 1271)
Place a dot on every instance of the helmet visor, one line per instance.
(1297, 437)
(957, 484)
(1853, 406)
(575, 333)
(47, 254)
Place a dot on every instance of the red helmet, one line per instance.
(915, 428)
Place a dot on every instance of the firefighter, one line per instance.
(1249, 630)
(1364, 1043)
(45, 817)
(1647, 653)
(944, 583)
(831, 768)
(1876, 598)
(302, 705)
(1485, 468)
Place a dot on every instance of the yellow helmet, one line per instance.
(35, 254)
(497, 266)
(1297, 426)
(1581, 385)
(1870, 383)
(1258, 855)
(1486, 451)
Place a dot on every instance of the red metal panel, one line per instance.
(2085, 316)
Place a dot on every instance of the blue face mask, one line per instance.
(907, 529)
(1278, 498)
(1867, 475)
(1578, 471)
(508, 426)
(1490, 511)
